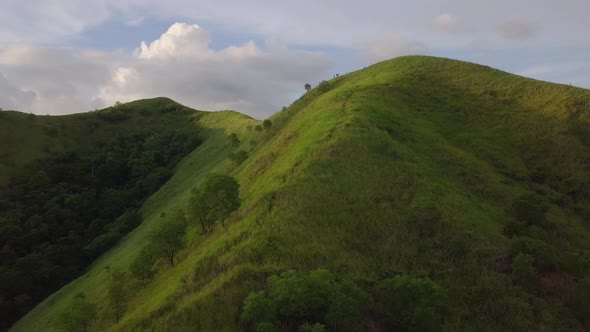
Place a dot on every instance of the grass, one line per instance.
(340, 182)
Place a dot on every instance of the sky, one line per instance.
(71, 56)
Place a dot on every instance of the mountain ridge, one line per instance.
(373, 174)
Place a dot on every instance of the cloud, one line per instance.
(180, 65)
(60, 80)
(135, 22)
(301, 22)
(39, 21)
(344, 29)
(447, 23)
(391, 46)
(180, 40)
(517, 29)
(11, 97)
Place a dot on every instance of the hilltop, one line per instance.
(459, 176)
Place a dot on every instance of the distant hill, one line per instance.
(431, 194)
(25, 138)
(71, 186)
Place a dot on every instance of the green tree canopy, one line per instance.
(142, 266)
(214, 200)
(168, 237)
(79, 315)
(408, 303)
(297, 298)
(118, 293)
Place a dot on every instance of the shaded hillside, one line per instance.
(73, 187)
(441, 175)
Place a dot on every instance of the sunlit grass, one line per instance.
(335, 184)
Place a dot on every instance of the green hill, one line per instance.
(431, 168)
(71, 185)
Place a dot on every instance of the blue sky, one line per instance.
(62, 56)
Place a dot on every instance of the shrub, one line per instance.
(126, 222)
(259, 308)
(323, 86)
(297, 298)
(267, 124)
(317, 327)
(425, 221)
(302, 297)
(234, 140)
(523, 272)
(529, 209)
(102, 242)
(410, 303)
(543, 254)
(266, 327)
(459, 246)
(239, 157)
(580, 302)
(346, 305)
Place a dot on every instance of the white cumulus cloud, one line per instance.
(180, 40)
(180, 65)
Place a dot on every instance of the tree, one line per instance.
(126, 222)
(258, 128)
(296, 298)
(233, 138)
(168, 237)
(214, 200)
(307, 87)
(239, 157)
(78, 316)
(267, 124)
(323, 86)
(118, 293)
(258, 308)
(411, 304)
(142, 266)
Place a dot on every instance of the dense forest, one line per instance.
(61, 212)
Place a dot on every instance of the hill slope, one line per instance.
(70, 187)
(418, 166)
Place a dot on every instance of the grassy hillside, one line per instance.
(421, 166)
(71, 185)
